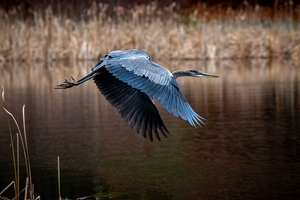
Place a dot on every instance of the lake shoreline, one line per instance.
(164, 35)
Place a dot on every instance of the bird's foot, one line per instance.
(70, 83)
(67, 84)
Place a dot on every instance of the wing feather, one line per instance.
(141, 66)
(153, 80)
(154, 90)
(183, 113)
(126, 110)
(170, 104)
(154, 124)
(136, 108)
(145, 125)
(149, 127)
(131, 109)
(140, 118)
(136, 69)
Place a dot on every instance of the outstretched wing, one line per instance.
(138, 71)
(136, 108)
(142, 66)
(140, 63)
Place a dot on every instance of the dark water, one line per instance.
(248, 149)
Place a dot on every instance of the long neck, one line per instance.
(180, 73)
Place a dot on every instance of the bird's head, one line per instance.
(199, 74)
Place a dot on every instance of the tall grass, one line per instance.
(29, 188)
(200, 33)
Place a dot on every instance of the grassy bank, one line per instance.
(161, 32)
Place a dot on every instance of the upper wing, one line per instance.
(142, 66)
(137, 109)
(138, 62)
(154, 80)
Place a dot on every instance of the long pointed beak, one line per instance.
(206, 75)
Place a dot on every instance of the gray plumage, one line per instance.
(130, 79)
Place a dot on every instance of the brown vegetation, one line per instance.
(161, 32)
(15, 140)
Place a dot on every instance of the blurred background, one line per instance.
(249, 147)
(84, 30)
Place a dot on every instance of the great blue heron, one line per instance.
(130, 80)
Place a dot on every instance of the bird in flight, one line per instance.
(130, 80)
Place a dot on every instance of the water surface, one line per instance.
(248, 149)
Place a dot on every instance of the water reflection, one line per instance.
(249, 147)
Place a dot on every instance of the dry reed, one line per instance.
(161, 32)
(16, 157)
(58, 177)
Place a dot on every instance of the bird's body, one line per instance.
(130, 80)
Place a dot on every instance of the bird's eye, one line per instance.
(148, 58)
